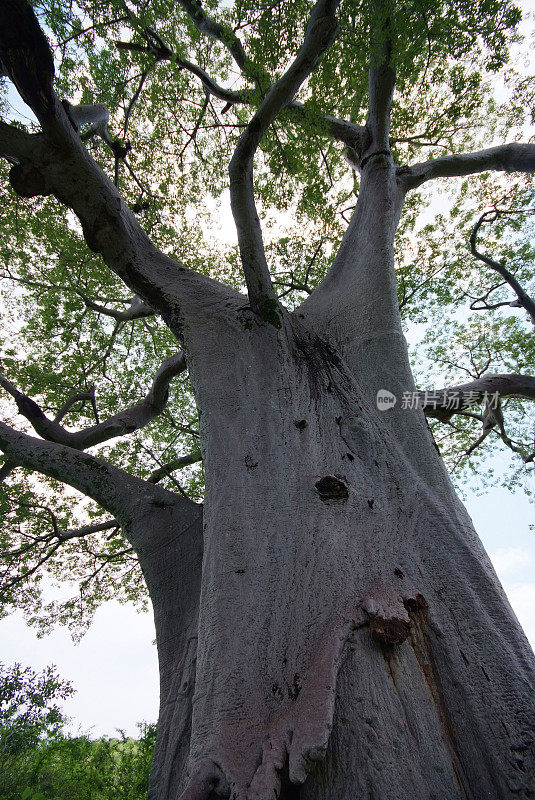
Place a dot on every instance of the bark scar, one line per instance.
(300, 735)
(424, 655)
(388, 611)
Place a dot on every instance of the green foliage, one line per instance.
(468, 326)
(79, 768)
(29, 709)
(38, 761)
(29, 717)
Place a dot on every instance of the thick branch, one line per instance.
(444, 403)
(514, 157)
(58, 163)
(320, 33)
(14, 143)
(382, 78)
(6, 469)
(115, 490)
(356, 304)
(110, 226)
(126, 421)
(524, 300)
(25, 57)
(95, 119)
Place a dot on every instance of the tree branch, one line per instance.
(77, 397)
(6, 469)
(382, 79)
(58, 534)
(126, 421)
(163, 53)
(7, 584)
(56, 162)
(513, 157)
(444, 403)
(320, 33)
(112, 488)
(136, 310)
(492, 420)
(95, 119)
(226, 36)
(354, 136)
(86, 530)
(356, 303)
(25, 57)
(133, 100)
(523, 299)
(15, 144)
(171, 466)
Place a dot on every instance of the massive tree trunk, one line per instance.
(347, 607)
(353, 638)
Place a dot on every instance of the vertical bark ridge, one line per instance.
(171, 560)
(421, 646)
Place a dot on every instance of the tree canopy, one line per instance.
(29, 710)
(86, 363)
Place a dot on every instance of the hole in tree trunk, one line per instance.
(289, 791)
(293, 792)
(331, 488)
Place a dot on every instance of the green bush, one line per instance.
(79, 768)
(38, 761)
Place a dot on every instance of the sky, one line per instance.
(114, 668)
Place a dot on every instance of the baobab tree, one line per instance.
(328, 623)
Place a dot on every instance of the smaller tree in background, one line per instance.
(29, 708)
(30, 713)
